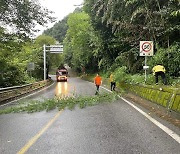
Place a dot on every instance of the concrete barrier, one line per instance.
(163, 95)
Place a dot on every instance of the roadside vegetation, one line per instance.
(18, 48)
(102, 36)
(60, 103)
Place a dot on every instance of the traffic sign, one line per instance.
(145, 67)
(51, 49)
(30, 66)
(146, 48)
(56, 48)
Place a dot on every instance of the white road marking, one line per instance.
(164, 128)
(168, 131)
(27, 95)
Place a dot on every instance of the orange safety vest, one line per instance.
(98, 80)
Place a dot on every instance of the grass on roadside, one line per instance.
(61, 103)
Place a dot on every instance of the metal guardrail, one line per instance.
(14, 87)
(10, 93)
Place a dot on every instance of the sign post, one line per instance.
(145, 69)
(44, 61)
(146, 49)
(51, 49)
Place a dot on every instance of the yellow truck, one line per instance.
(61, 75)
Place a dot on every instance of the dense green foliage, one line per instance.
(79, 52)
(170, 58)
(14, 61)
(22, 16)
(102, 36)
(110, 33)
(18, 20)
(122, 24)
(58, 31)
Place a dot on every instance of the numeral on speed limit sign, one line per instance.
(146, 48)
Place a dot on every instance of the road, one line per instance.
(115, 128)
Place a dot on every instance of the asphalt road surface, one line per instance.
(116, 128)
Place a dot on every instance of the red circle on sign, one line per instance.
(145, 49)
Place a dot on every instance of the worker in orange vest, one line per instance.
(97, 82)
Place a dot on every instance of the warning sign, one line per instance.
(146, 48)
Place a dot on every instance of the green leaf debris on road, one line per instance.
(60, 103)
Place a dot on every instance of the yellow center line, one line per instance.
(35, 138)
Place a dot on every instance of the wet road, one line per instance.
(115, 128)
(74, 86)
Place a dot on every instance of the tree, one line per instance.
(23, 15)
(18, 19)
(38, 48)
(78, 47)
(10, 73)
(122, 24)
(58, 31)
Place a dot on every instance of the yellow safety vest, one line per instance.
(158, 68)
(111, 78)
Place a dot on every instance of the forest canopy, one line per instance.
(102, 36)
(17, 23)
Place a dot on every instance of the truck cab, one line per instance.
(61, 75)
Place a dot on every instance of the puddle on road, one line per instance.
(62, 89)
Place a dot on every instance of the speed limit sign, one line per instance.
(146, 48)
